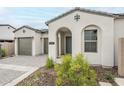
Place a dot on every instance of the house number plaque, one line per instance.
(51, 43)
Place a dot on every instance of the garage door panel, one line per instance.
(25, 46)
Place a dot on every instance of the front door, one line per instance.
(68, 45)
(45, 45)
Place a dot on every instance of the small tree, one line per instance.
(75, 72)
(49, 63)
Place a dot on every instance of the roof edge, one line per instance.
(36, 30)
(82, 10)
(7, 25)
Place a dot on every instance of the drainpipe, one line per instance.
(0, 51)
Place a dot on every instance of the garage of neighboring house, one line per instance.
(25, 46)
(28, 41)
(44, 39)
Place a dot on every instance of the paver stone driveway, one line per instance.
(14, 69)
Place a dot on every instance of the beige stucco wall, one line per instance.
(38, 44)
(28, 33)
(6, 33)
(119, 33)
(44, 35)
(121, 56)
(106, 24)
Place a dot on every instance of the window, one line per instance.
(90, 40)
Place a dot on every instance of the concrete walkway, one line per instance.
(105, 84)
(15, 69)
(119, 81)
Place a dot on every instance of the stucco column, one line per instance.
(59, 44)
(64, 37)
(42, 42)
(16, 46)
(53, 47)
(33, 47)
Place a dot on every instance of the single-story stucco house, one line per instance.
(97, 35)
(31, 41)
(7, 38)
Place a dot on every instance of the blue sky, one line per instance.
(36, 16)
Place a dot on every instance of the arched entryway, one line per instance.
(64, 41)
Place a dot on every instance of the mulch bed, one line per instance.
(46, 77)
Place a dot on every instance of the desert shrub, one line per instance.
(3, 53)
(75, 72)
(37, 74)
(49, 63)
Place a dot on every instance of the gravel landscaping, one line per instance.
(47, 77)
(106, 74)
(42, 77)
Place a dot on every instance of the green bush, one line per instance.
(3, 53)
(75, 72)
(50, 63)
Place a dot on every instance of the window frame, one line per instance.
(91, 41)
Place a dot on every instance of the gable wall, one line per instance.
(6, 33)
(107, 39)
(28, 33)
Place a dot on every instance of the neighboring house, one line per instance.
(6, 32)
(30, 41)
(7, 38)
(92, 33)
